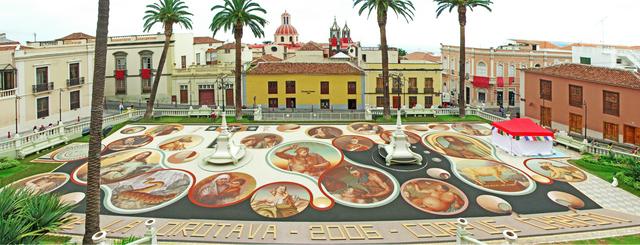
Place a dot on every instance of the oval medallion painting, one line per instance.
(69, 153)
(133, 130)
(359, 186)
(222, 190)
(129, 143)
(163, 130)
(472, 129)
(280, 200)
(288, 127)
(459, 145)
(305, 157)
(353, 143)
(365, 128)
(556, 170)
(42, 183)
(181, 143)
(261, 141)
(147, 192)
(182, 157)
(412, 137)
(123, 165)
(434, 196)
(324, 132)
(493, 176)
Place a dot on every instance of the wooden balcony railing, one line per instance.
(379, 90)
(413, 90)
(428, 90)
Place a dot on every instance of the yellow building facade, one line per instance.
(420, 84)
(325, 86)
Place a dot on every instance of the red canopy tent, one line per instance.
(522, 136)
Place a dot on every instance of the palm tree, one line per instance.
(92, 223)
(167, 13)
(402, 8)
(234, 15)
(462, 6)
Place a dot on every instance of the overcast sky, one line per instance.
(555, 20)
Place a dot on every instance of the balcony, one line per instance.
(379, 90)
(428, 90)
(396, 90)
(75, 81)
(121, 91)
(413, 90)
(42, 87)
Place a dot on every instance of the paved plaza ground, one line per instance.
(320, 183)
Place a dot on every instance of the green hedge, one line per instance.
(6, 163)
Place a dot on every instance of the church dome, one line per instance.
(286, 28)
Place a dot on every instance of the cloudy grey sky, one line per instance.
(556, 20)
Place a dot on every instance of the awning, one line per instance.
(480, 82)
(520, 127)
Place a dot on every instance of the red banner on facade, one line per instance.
(480, 82)
(145, 73)
(119, 74)
(334, 42)
(512, 80)
(500, 82)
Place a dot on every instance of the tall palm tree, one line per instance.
(234, 15)
(92, 218)
(402, 8)
(167, 13)
(461, 6)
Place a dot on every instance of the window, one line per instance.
(575, 123)
(291, 102)
(585, 60)
(618, 61)
(227, 51)
(413, 100)
(274, 49)
(74, 71)
(413, 82)
(198, 59)
(445, 64)
(481, 70)
(74, 100)
(512, 71)
(7, 80)
(291, 87)
(545, 116)
(146, 58)
(43, 107)
(146, 86)
(380, 101)
(500, 70)
(500, 97)
(273, 102)
(482, 96)
(351, 88)
(324, 87)
(121, 61)
(512, 98)
(364, 58)
(183, 62)
(428, 101)
(610, 131)
(467, 69)
(290, 39)
(611, 103)
(281, 39)
(273, 87)
(325, 104)
(42, 75)
(537, 66)
(575, 96)
(428, 85)
(545, 89)
(379, 85)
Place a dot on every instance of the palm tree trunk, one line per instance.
(92, 218)
(168, 32)
(382, 24)
(238, 71)
(462, 18)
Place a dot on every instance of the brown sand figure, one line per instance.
(354, 145)
(127, 168)
(130, 142)
(144, 195)
(42, 184)
(261, 141)
(462, 148)
(221, 189)
(303, 161)
(567, 173)
(280, 201)
(373, 185)
(495, 171)
(438, 198)
(176, 145)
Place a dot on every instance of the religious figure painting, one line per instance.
(163, 130)
(280, 200)
(493, 176)
(365, 128)
(261, 141)
(472, 129)
(324, 132)
(124, 165)
(133, 130)
(181, 143)
(434, 196)
(130, 142)
(354, 185)
(459, 145)
(221, 190)
(42, 183)
(353, 143)
(306, 157)
(412, 137)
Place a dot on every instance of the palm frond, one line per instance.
(233, 12)
(167, 12)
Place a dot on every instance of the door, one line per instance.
(273, 102)
(610, 131)
(467, 95)
(184, 96)
(229, 98)
(413, 100)
(631, 135)
(575, 123)
(396, 102)
(545, 116)
(291, 102)
(352, 104)
(500, 97)
(325, 104)
(206, 97)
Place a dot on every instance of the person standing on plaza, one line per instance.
(120, 107)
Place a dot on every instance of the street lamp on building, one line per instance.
(16, 111)
(60, 105)
(222, 84)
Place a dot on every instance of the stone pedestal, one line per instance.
(225, 150)
(398, 151)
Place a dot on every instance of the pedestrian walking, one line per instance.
(120, 107)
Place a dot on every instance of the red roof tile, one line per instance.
(5, 48)
(227, 46)
(602, 75)
(422, 56)
(76, 36)
(310, 46)
(271, 68)
(205, 40)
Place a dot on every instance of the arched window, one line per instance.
(282, 39)
(274, 49)
(481, 70)
(445, 64)
(146, 59)
(537, 66)
(121, 60)
(290, 39)
(500, 70)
